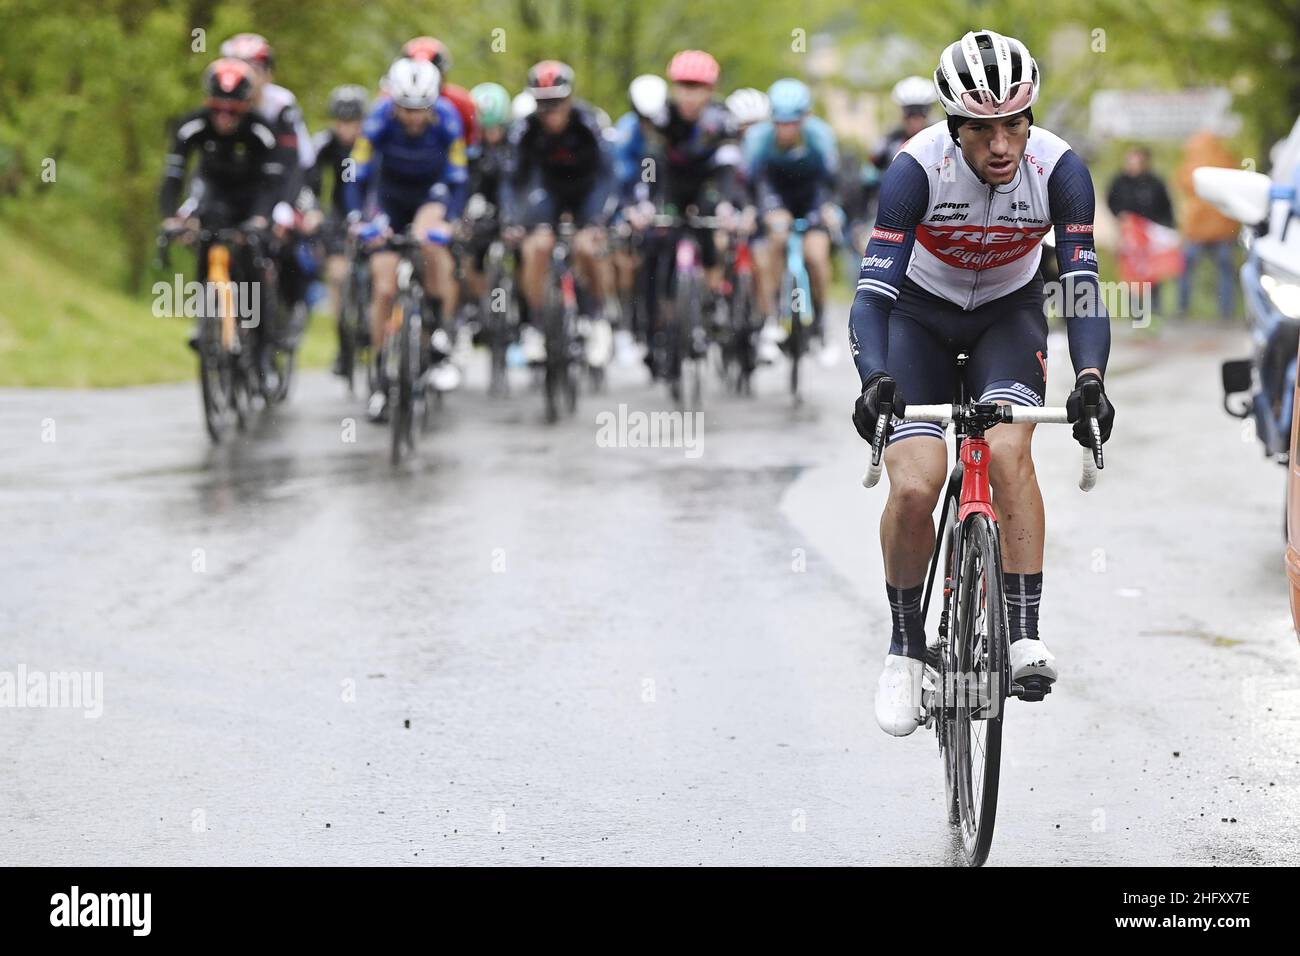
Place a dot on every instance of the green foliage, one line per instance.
(92, 84)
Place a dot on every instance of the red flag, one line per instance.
(1148, 251)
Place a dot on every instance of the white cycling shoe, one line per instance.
(443, 377)
(898, 695)
(1031, 657)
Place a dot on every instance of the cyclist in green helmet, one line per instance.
(492, 101)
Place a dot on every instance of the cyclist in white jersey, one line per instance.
(952, 265)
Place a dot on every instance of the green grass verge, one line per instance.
(59, 328)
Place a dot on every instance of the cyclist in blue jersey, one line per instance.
(410, 172)
(952, 265)
(791, 162)
(637, 155)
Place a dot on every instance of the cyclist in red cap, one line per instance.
(435, 51)
(701, 161)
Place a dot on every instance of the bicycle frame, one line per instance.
(219, 275)
(798, 269)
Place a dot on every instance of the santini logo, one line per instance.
(102, 909)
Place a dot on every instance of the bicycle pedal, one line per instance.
(1032, 688)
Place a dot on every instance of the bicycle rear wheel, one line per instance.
(978, 685)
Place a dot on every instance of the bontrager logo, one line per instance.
(102, 909)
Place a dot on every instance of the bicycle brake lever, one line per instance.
(1091, 403)
(885, 407)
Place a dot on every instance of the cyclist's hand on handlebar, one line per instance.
(640, 215)
(867, 408)
(1074, 408)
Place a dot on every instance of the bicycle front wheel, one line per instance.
(216, 382)
(403, 373)
(978, 685)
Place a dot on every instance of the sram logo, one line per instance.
(887, 235)
(977, 247)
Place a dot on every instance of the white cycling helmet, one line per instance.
(986, 74)
(524, 104)
(414, 84)
(749, 106)
(913, 91)
(649, 94)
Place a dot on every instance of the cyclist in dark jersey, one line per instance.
(347, 106)
(558, 164)
(238, 178)
(699, 169)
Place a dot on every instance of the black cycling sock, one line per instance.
(1023, 592)
(908, 637)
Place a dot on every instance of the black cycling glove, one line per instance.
(1074, 410)
(867, 408)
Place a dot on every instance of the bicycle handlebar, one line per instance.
(1011, 414)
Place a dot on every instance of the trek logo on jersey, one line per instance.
(1084, 255)
(877, 262)
(887, 235)
(975, 247)
(1081, 227)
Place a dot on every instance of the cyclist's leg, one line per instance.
(776, 234)
(817, 256)
(535, 254)
(593, 266)
(765, 283)
(400, 211)
(916, 459)
(439, 267)
(916, 456)
(383, 292)
(1008, 364)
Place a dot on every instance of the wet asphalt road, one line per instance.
(526, 648)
